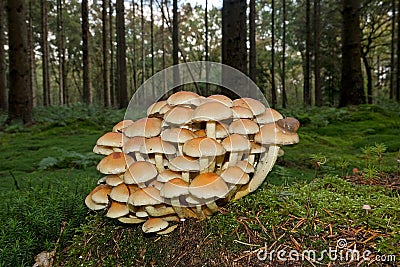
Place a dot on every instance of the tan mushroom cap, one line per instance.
(114, 179)
(167, 175)
(208, 185)
(221, 130)
(147, 127)
(254, 105)
(100, 194)
(133, 144)
(270, 133)
(257, 148)
(184, 163)
(177, 135)
(154, 225)
(157, 145)
(235, 175)
(245, 166)
(156, 107)
(113, 139)
(220, 98)
(117, 210)
(212, 111)
(103, 150)
(120, 193)
(94, 205)
(203, 147)
(184, 98)
(120, 126)
(174, 188)
(239, 112)
(115, 163)
(178, 115)
(243, 126)
(236, 143)
(269, 115)
(200, 133)
(145, 196)
(140, 172)
(288, 124)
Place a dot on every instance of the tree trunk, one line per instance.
(152, 47)
(206, 46)
(307, 90)
(392, 50)
(234, 37)
(317, 54)
(368, 71)
(142, 43)
(3, 69)
(45, 55)
(32, 62)
(252, 41)
(273, 86)
(175, 45)
(352, 91)
(112, 69)
(121, 56)
(20, 100)
(164, 64)
(284, 96)
(60, 47)
(134, 49)
(87, 90)
(106, 76)
(398, 55)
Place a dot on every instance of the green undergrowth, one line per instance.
(47, 170)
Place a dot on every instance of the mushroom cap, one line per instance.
(113, 139)
(239, 112)
(154, 225)
(117, 210)
(156, 184)
(271, 134)
(235, 175)
(269, 115)
(243, 126)
(257, 148)
(133, 144)
(288, 124)
(120, 126)
(156, 107)
(236, 143)
(208, 185)
(100, 194)
(177, 135)
(167, 175)
(184, 163)
(145, 196)
(114, 179)
(103, 150)
(221, 130)
(140, 172)
(203, 147)
(115, 163)
(254, 105)
(219, 98)
(200, 133)
(178, 115)
(184, 98)
(120, 193)
(92, 204)
(212, 111)
(245, 166)
(366, 207)
(174, 188)
(147, 127)
(157, 145)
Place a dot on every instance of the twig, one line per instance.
(15, 181)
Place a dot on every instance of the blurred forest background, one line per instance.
(311, 52)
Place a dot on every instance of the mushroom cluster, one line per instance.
(188, 157)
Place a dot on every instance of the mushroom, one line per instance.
(254, 105)
(219, 98)
(133, 145)
(120, 193)
(236, 144)
(114, 179)
(154, 225)
(244, 127)
(147, 127)
(288, 124)
(184, 98)
(130, 219)
(120, 126)
(155, 108)
(103, 150)
(239, 112)
(197, 202)
(139, 173)
(158, 147)
(144, 197)
(178, 136)
(159, 210)
(234, 176)
(206, 149)
(208, 186)
(211, 112)
(269, 115)
(185, 165)
(96, 205)
(115, 163)
(245, 166)
(178, 116)
(117, 210)
(173, 189)
(167, 230)
(167, 175)
(255, 150)
(100, 194)
(111, 139)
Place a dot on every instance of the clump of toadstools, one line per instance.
(188, 157)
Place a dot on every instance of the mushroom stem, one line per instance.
(180, 149)
(212, 206)
(233, 159)
(204, 163)
(251, 158)
(158, 212)
(185, 176)
(139, 156)
(176, 205)
(210, 129)
(159, 159)
(211, 164)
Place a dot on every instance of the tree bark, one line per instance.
(20, 100)
(392, 50)
(45, 55)
(142, 43)
(273, 85)
(317, 54)
(152, 47)
(112, 68)
(252, 41)
(87, 90)
(398, 55)
(284, 96)
(352, 90)
(368, 71)
(121, 56)
(106, 76)
(307, 89)
(3, 69)
(32, 62)
(175, 40)
(61, 52)
(206, 48)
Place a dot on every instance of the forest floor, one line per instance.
(313, 201)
